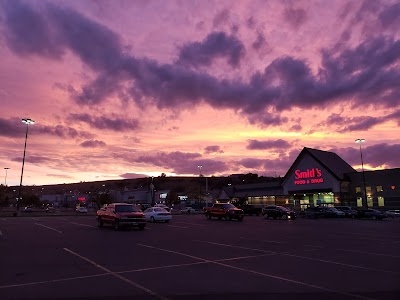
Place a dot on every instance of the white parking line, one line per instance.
(116, 275)
(177, 226)
(91, 226)
(369, 253)
(261, 273)
(48, 227)
(36, 219)
(266, 241)
(191, 224)
(302, 257)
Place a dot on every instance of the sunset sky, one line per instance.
(125, 89)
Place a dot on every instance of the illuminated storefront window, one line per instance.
(379, 188)
(359, 202)
(358, 189)
(370, 202)
(381, 201)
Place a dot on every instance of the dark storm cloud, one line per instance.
(62, 131)
(368, 74)
(221, 18)
(390, 16)
(182, 163)
(115, 124)
(33, 159)
(213, 149)
(252, 163)
(295, 17)
(358, 123)
(215, 45)
(269, 144)
(372, 155)
(92, 144)
(12, 127)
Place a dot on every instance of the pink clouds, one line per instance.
(237, 62)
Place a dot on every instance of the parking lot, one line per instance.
(65, 257)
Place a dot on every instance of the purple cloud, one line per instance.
(295, 17)
(213, 149)
(368, 73)
(215, 45)
(92, 144)
(269, 144)
(115, 124)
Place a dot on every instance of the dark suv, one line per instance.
(251, 209)
(349, 211)
(278, 212)
(373, 214)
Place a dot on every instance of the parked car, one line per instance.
(393, 213)
(27, 209)
(81, 210)
(278, 212)
(163, 206)
(188, 210)
(312, 212)
(251, 209)
(121, 215)
(224, 210)
(370, 213)
(50, 209)
(349, 211)
(331, 212)
(155, 214)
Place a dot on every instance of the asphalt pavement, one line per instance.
(68, 257)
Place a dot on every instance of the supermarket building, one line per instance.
(319, 177)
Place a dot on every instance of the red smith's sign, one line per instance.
(313, 175)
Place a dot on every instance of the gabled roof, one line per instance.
(330, 160)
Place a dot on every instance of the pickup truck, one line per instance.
(224, 210)
(121, 215)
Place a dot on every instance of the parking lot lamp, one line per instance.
(360, 141)
(27, 122)
(5, 178)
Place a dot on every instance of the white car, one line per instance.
(393, 213)
(163, 206)
(188, 210)
(81, 210)
(155, 214)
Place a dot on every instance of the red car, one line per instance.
(121, 215)
(224, 210)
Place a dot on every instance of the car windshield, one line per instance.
(159, 209)
(283, 208)
(126, 208)
(228, 206)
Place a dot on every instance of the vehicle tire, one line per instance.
(219, 218)
(284, 217)
(141, 227)
(374, 217)
(99, 222)
(266, 216)
(240, 219)
(208, 216)
(257, 214)
(116, 224)
(166, 221)
(227, 217)
(353, 217)
(152, 220)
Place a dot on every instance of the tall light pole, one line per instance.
(5, 178)
(360, 141)
(27, 122)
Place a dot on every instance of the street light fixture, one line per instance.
(360, 141)
(27, 122)
(5, 178)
